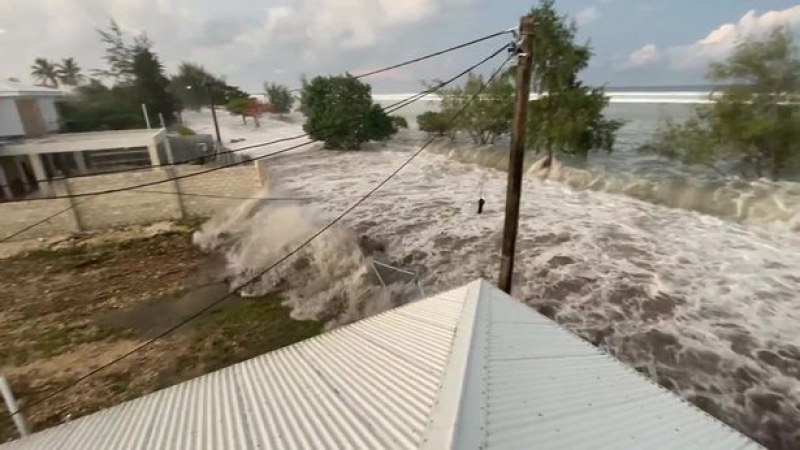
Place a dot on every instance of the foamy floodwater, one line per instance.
(707, 307)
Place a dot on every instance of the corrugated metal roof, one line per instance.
(469, 368)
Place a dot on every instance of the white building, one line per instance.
(32, 152)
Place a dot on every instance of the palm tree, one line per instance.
(45, 72)
(69, 73)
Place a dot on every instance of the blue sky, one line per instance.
(642, 42)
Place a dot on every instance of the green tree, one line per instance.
(152, 86)
(45, 72)
(94, 106)
(119, 53)
(238, 107)
(486, 117)
(754, 121)
(340, 112)
(435, 123)
(279, 97)
(399, 122)
(566, 116)
(69, 72)
(192, 84)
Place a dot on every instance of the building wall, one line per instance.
(47, 105)
(147, 205)
(31, 115)
(10, 123)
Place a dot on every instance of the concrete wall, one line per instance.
(145, 205)
(10, 123)
(47, 105)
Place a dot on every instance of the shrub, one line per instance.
(279, 97)
(339, 111)
(434, 123)
(183, 130)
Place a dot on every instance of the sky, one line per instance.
(635, 42)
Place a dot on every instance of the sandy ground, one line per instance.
(74, 303)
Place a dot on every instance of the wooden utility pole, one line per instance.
(516, 156)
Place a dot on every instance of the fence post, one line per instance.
(61, 188)
(11, 406)
(170, 172)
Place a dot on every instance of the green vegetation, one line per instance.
(279, 98)
(246, 328)
(36, 342)
(193, 83)
(137, 77)
(399, 122)
(69, 72)
(567, 116)
(238, 107)
(340, 112)
(45, 72)
(183, 130)
(487, 117)
(753, 124)
(247, 107)
(436, 123)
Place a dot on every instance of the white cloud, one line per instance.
(645, 55)
(719, 43)
(586, 16)
(246, 40)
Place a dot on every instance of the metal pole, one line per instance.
(146, 116)
(11, 406)
(214, 114)
(516, 156)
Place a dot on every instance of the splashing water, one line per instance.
(705, 306)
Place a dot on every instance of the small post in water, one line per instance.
(516, 156)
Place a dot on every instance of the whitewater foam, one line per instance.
(705, 306)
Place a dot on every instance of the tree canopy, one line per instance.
(566, 116)
(484, 118)
(340, 112)
(753, 123)
(152, 86)
(45, 72)
(279, 97)
(69, 72)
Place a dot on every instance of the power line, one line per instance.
(286, 139)
(288, 255)
(395, 106)
(428, 56)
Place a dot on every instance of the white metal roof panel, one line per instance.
(469, 368)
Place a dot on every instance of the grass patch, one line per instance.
(39, 342)
(191, 223)
(67, 258)
(242, 330)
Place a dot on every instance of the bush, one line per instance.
(399, 122)
(183, 130)
(279, 97)
(339, 111)
(434, 123)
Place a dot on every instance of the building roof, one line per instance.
(92, 140)
(16, 89)
(468, 368)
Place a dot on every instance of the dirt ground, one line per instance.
(73, 304)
